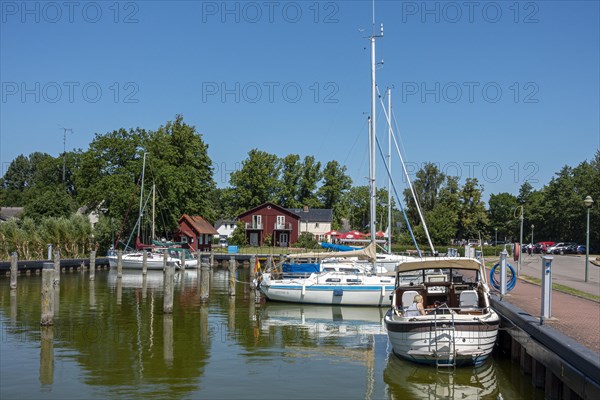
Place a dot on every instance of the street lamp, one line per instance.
(532, 226)
(496, 242)
(588, 204)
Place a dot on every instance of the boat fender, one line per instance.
(382, 291)
(303, 290)
(338, 292)
(517, 252)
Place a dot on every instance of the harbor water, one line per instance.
(111, 339)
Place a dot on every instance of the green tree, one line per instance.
(257, 181)
(19, 177)
(472, 216)
(311, 175)
(501, 215)
(238, 237)
(291, 175)
(426, 186)
(335, 184)
(306, 240)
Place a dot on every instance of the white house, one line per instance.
(225, 227)
(314, 220)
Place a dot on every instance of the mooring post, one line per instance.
(92, 265)
(204, 281)
(47, 317)
(144, 262)
(503, 256)
(182, 260)
(14, 263)
(198, 260)
(57, 267)
(119, 263)
(253, 272)
(232, 276)
(49, 252)
(168, 285)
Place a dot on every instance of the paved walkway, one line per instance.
(573, 316)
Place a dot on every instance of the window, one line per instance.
(316, 225)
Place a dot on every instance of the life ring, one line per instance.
(517, 251)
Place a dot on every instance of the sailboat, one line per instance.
(154, 253)
(345, 281)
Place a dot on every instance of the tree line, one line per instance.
(106, 178)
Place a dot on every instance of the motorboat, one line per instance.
(458, 328)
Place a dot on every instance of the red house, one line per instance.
(196, 232)
(269, 219)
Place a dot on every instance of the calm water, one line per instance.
(111, 340)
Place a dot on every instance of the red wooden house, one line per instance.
(269, 219)
(196, 232)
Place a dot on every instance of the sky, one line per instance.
(502, 91)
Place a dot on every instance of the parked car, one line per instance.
(581, 249)
(543, 246)
(565, 248)
(550, 249)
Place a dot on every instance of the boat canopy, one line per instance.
(338, 247)
(439, 262)
(366, 253)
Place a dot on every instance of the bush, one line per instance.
(306, 240)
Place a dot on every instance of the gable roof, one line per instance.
(313, 214)
(221, 222)
(266, 205)
(198, 224)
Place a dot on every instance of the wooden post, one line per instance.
(57, 267)
(232, 276)
(47, 295)
(168, 285)
(252, 272)
(13, 270)
(145, 263)
(47, 355)
(119, 263)
(204, 282)
(92, 265)
(182, 260)
(198, 260)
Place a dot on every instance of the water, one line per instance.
(111, 340)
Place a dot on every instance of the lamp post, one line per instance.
(588, 204)
(532, 226)
(496, 242)
(520, 238)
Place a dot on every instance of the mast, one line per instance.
(373, 135)
(141, 196)
(153, 208)
(389, 166)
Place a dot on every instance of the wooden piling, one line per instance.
(92, 265)
(120, 264)
(232, 276)
(47, 317)
(252, 272)
(145, 263)
(168, 285)
(14, 270)
(204, 282)
(57, 267)
(182, 260)
(198, 260)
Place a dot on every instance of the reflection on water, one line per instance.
(111, 339)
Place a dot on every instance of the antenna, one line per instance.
(65, 130)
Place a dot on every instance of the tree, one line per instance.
(238, 237)
(291, 174)
(257, 181)
(501, 215)
(427, 185)
(19, 177)
(335, 184)
(306, 240)
(311, 175)
(51, 201)
(472, 216)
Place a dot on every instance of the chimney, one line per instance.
(305, 208)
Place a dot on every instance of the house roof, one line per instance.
(266, 205)
(313, 214)
(10, 212)
(221, 222)
(198, 224)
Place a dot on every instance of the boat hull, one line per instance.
(130, 262)
(355, 295)
(447, 340)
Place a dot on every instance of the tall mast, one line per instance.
(389, 162)
(141, 196)
(373, 136)
(153, 208)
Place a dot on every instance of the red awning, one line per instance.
(333, 233)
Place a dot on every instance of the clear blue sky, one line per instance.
(501, 91)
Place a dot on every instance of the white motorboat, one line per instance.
(134, 260)
(458, 328)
